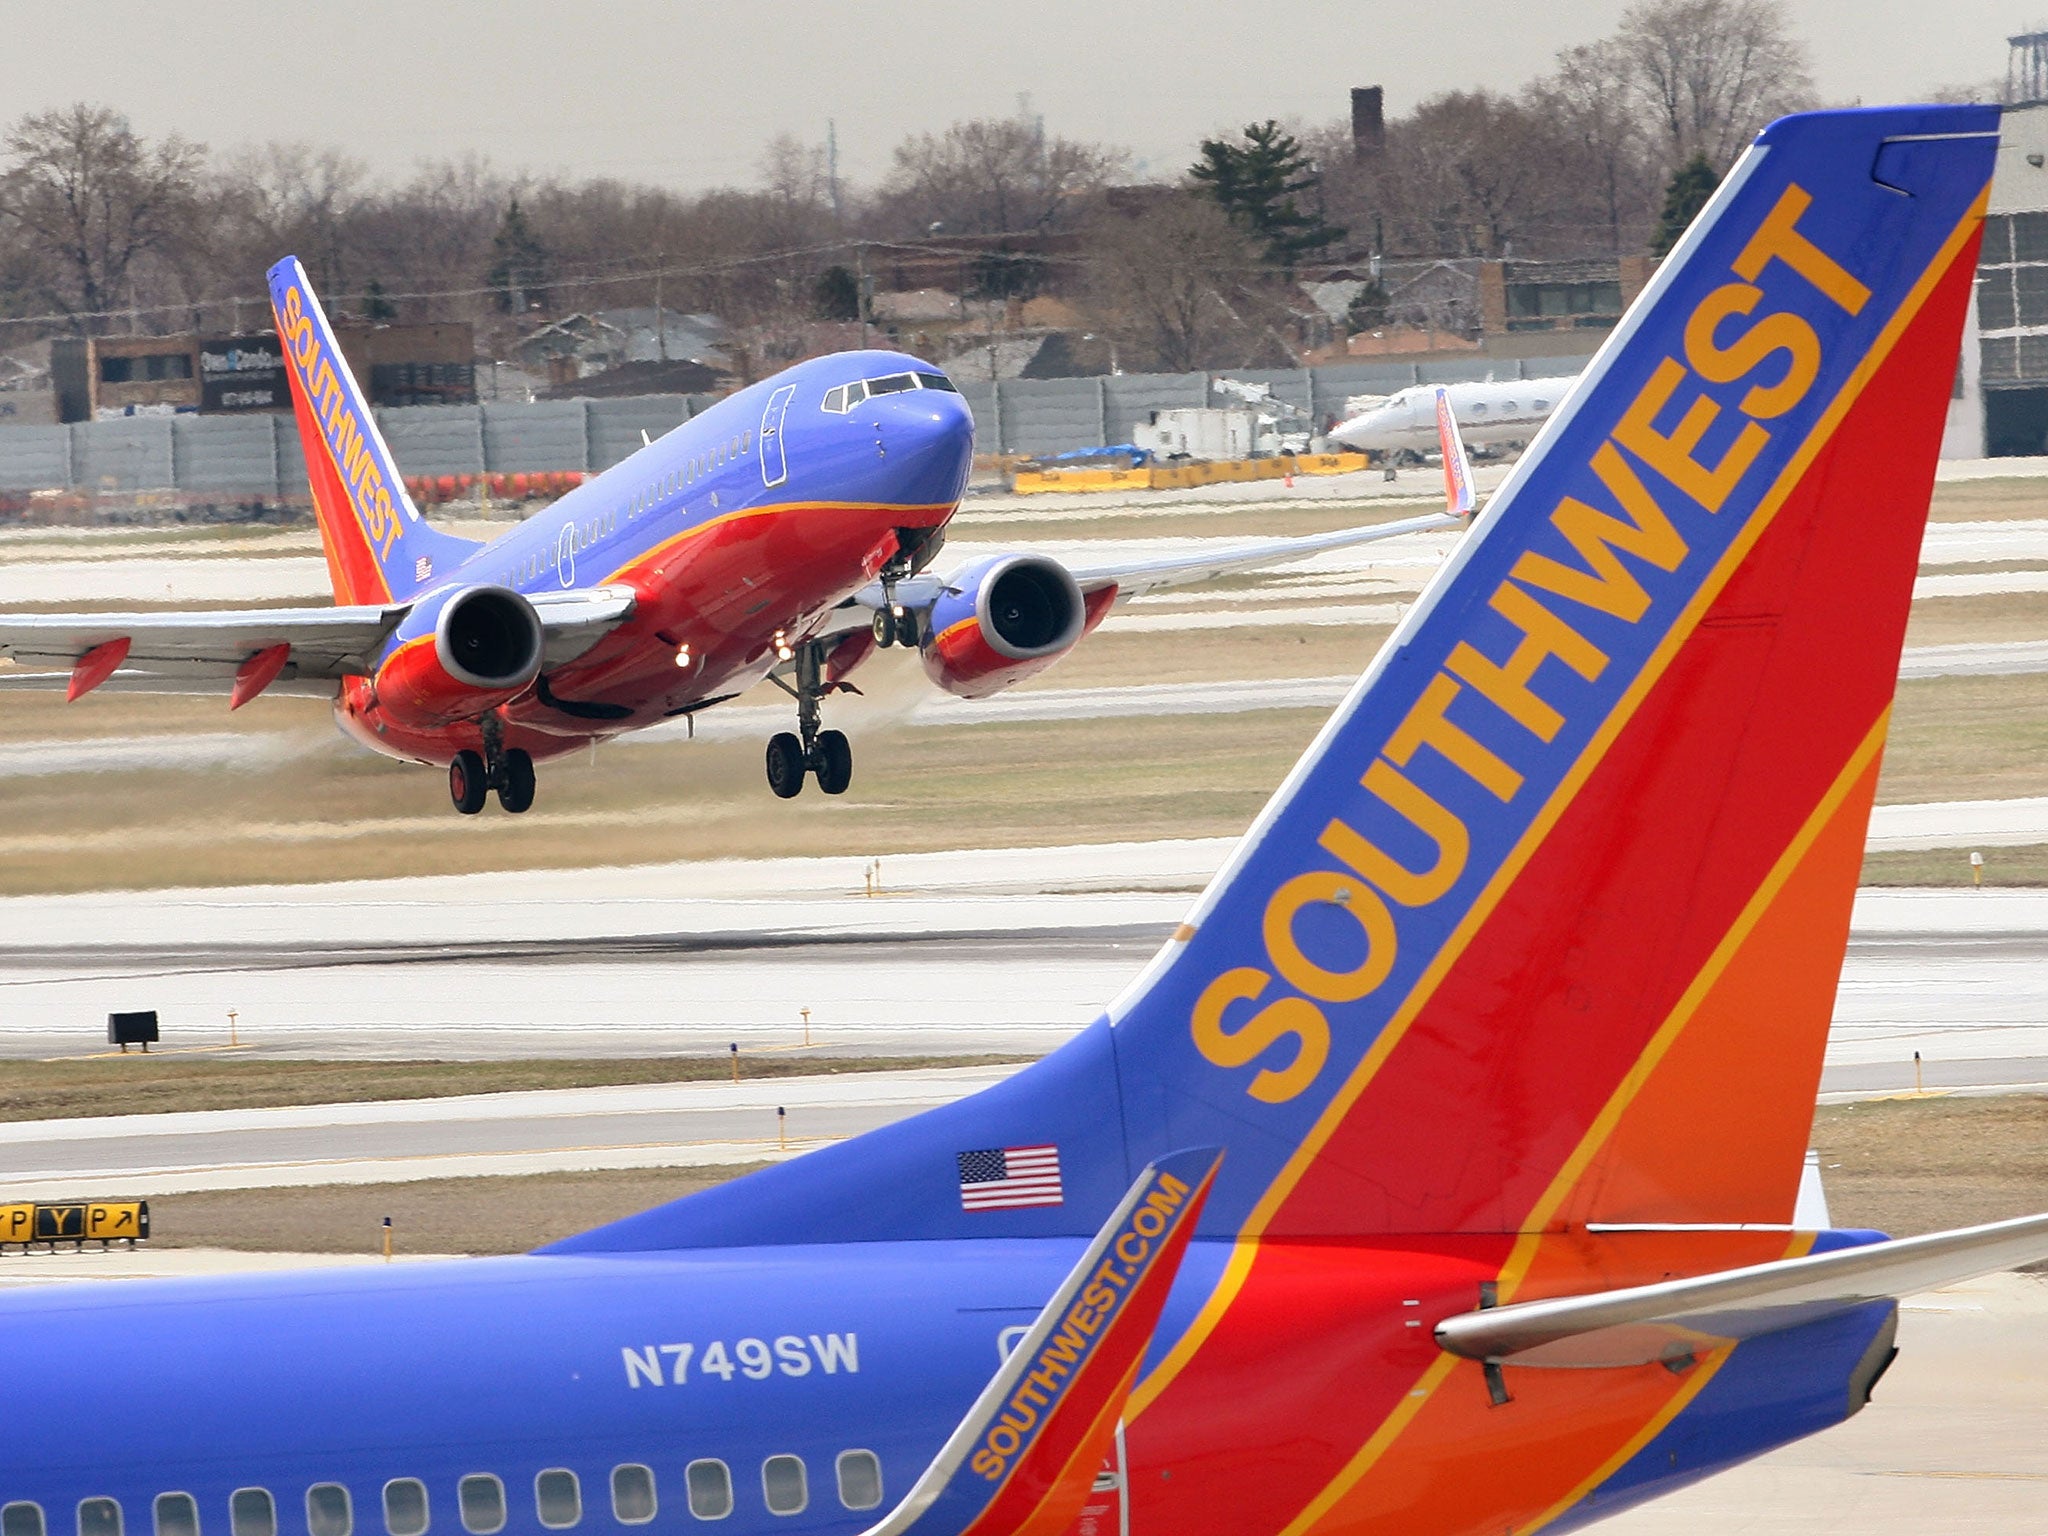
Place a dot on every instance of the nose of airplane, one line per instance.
(926, 438)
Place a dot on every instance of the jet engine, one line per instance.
(478, 649)
(1001, 620)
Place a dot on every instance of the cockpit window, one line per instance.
(892, 384)
(938, 381)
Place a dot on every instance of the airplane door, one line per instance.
(774, 462)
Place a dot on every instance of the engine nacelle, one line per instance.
(479, 648)
(1002, 620)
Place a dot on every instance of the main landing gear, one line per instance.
(473, 775)
(793, 756)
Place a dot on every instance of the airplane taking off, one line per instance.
(1491, 413)
(783, 533)
(1437, 1178)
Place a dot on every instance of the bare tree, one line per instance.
(993, 176)
(1168, 282)
(1710, 74)
(289, 199)
(94, 199)
(1586, 99)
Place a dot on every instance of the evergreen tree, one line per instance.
(519, 264)
(1257, 182)
(1686, 194)
(1368, 308)
(376, 307)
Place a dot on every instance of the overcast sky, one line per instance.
(685, 95)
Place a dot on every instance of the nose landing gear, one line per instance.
(794, 756)
(473, 775)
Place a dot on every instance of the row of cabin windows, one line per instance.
(688, 474)
(480, 1498)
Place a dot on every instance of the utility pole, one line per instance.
(832, 168)
(860, 288)
(660, 314)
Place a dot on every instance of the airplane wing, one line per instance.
(212, 651)
(1024, 1458)
(1677, 1318)
(1137, 579)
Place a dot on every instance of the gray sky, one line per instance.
(685, 95)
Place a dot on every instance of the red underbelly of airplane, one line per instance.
(726, 591)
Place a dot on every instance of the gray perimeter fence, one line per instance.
(259, 457)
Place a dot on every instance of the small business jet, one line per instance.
(1491, 413)
(1439, 1176)
(785, 533)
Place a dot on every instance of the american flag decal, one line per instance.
(1003, 1178)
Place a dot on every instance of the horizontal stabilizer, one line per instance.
(1676, 1318)
(1022, 1462)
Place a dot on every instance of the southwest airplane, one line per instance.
(784, 533)
(1436, 1178)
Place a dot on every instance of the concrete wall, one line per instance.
(259, 456)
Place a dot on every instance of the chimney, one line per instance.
(1368, 121)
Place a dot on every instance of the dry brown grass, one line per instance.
(1967, 738)
(1972, 501)
(487, 1215)
(138, 1084)
(1921, 1165)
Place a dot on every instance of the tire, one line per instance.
(835, 762)
(885, 628)
(906, 629)
(515, 781)
(785, 765)
(467, 784)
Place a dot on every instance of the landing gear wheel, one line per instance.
(906, 629)
(467, 783)
(785, 765)
(515, 781)
(885, 628)
(834, 763)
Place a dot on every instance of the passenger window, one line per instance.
(710, 1485)
(252, 1512)
(782, 1485)
(1542, 405)
(1479, 409)
(557, 1499)
(405, 1507)
(177, 1514)
(938, 381)
(860, 1479)
(327, 1510)
(1508, 405)
(893, 384)
(482, 1498)
(632, 1494)
(21, 1518)
(99, 1517)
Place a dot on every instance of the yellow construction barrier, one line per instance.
(1027, 482)
(1188, 472)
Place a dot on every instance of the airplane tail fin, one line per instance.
(1542, 933)
(1544, 930)
(1458, 497)
(378, 547)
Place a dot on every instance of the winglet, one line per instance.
(1022, 1461)
(1458, 499)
